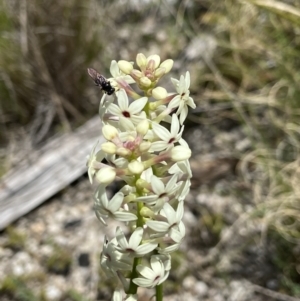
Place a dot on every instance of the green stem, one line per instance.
(159, 292)
(134, 274)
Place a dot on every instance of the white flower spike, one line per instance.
(152, 163)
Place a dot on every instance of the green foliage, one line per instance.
(15, 239)
(16, 289)
(286, 258)
(60, 261)
(72, 295)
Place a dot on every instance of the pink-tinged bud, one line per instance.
(109, 148)
(125, 66)
(144, 146)
(143, 127)
(180, 153)
(136, 167)
(109, 132)
(106, 175)
(141, 60)
(150, 66)
(167, 64)
(136, 74)
(155, 58)
(123, 152)
(159, 93)
(145, 82)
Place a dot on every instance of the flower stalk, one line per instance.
(152, 161)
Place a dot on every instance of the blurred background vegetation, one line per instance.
(244, 59)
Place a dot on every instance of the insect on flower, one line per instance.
(101, 81)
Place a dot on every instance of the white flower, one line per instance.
(183, 169)
(152, 276)
(133, 246)
(117, 296)
(128, 114)
(172, 217)
(118, 75)
(111, 260)
(167, 138)
(176, 237)
(162, 193)
(105, 208)
(94, 162)
(183, 99)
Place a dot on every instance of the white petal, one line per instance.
(117, 296)
(191, 103)
(174, 125)
(183, 114)
(126, 123)
(123, 100)
(158, 226)
(175, 82)
(187, 80)
(171, 184)
(174, 103)
(146, 272)
(147, 199)
(137, 105)
(114, 69)
(124, 216)
(170, 213)
(121, 238)
(161, 131)
(156, 265)
(158, 146)
(116, 202)
(136, 237)
(142, 282)
(114, 109)
(179, 211)
(157, 185)
(146, 248)
(181, 88)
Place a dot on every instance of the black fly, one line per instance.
(101, 81)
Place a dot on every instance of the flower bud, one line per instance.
(109, 147)
(146, 212)
(123, 152)
(106, 175)
(141, 60)
(180, 153)
(167, 64)
(125, 66)
(159, 72)
(145, 82)
(159, 93)
(156, 60)
(143, 127)
(109, 132)
(136, 74)
(141, 184)
(144, 146)
(136, 167)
